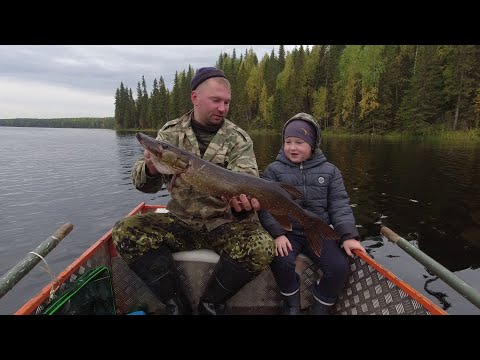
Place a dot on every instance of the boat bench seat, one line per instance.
(201, 255)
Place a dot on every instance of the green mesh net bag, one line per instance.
(90, 294)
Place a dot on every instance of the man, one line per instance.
(197, 220)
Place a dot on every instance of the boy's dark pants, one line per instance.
(332, 261)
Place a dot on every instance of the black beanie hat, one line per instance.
(203, 74)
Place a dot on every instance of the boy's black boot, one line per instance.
(158, 270)
(291, 304)
(318, 308)
(228, 277)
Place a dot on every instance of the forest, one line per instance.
(354, 89)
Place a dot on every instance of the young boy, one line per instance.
(301, 163)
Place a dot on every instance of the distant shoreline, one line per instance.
(85, 122)
(109, 123)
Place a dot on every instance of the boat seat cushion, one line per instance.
(210, 256)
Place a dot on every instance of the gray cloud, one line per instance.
(80, 80)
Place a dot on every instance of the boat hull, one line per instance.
(370, 290)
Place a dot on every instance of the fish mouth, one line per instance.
(166, 158)
(150, 144)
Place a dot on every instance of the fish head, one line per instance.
(166, 158)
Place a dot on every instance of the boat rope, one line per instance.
(47, 269)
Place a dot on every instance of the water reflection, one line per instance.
(266, 148)
(440, 296)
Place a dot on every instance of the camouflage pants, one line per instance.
(246, 242)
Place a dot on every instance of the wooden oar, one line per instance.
(12, 277)
(442, 272)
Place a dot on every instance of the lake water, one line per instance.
(427, 192)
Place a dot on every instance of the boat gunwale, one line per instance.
(425, 302)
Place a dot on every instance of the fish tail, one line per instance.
(317, 231)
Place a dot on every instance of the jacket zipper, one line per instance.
(304, 191)
(304, 182)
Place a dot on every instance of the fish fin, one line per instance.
(171, 183)
(317, 231)
(292, 190)
(284, 221)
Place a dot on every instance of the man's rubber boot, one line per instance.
(228, 277)
(158, 270)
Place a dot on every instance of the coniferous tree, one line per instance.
(372, 67)
(131, 120)
(240, 109)
(281, 58)
(266, 109)
(270, 71)
(461, 74)
(142, 104)
(333, 55)
(348, 87)
(476, 107)
(163, 96)
(315, 74)
(383, 118)
(175, 99)
(283, 100)
(422, 104)
(154, 106)
(118, 112)
(297, 83)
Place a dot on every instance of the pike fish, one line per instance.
(275, 197)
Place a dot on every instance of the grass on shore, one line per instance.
(461, 135)
(473, 135)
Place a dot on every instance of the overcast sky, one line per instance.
(53, 81)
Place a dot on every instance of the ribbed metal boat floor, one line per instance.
(367, 291)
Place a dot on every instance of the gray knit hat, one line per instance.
(303, 130)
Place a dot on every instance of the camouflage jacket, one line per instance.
(231, 148)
